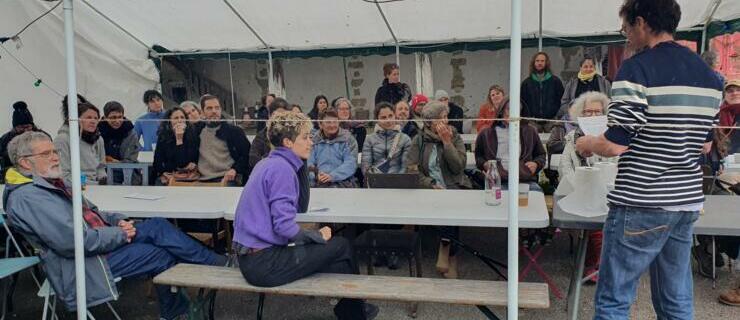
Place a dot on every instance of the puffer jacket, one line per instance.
(337, 157)
(42, 213)
(378, 146)
(452, 159)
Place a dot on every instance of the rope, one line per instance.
(650, 125)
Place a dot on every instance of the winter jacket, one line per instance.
(451, 158)
(392, 92)
(571, 88)
(486, 148)
(260, 148)
(377, 147)
(411, 128)
(571, 160)
(92, 157)
(238, 146)
(456, 113)
(337, 157)
(542, 97)
(121, 144)
(169, 157)
(42, 213)
(5, 163)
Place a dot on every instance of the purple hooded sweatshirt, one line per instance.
(265, 216)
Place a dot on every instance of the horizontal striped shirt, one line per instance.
(664, 101)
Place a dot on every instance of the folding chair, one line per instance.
(11, 266)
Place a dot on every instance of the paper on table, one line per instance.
(592, 126)
(141, 196)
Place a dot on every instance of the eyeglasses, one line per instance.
(43, 155)
(591, 113)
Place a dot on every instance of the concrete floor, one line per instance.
(556, 260)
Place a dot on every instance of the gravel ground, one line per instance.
(556, 260)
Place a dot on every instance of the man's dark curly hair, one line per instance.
(660, 15)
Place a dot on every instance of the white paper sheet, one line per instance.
(592, 126)
(141, 196)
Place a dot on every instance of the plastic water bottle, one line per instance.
(493, 192)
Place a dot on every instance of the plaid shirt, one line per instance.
(91, 217)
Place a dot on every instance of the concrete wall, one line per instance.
(465, 75)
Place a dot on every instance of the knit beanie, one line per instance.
(21, 115)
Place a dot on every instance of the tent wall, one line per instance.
(465, 75)
(110, 66)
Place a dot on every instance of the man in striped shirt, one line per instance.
(665, 100)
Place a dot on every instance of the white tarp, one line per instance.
(111, 65)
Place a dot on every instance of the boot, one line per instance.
(443, 257)
(731, 298)
(452, 272)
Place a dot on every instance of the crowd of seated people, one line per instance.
(409, 133)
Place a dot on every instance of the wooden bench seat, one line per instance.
(405, 289)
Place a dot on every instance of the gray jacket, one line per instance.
(130, 147)
(92, 156)
(378, 146)
(42, 213)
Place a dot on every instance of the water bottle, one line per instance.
(493, 192)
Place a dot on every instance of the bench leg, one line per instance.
(260, 306)
(488, 313)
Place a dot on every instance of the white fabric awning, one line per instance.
(187, 25)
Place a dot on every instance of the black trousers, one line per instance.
(280, 265)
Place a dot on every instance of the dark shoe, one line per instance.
(393, 262)
(703, 261)
(719, 260)
(371, 311)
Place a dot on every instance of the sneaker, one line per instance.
(703, 261)
(371, 311)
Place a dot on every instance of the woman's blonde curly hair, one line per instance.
(286, 125)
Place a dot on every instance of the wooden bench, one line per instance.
(405, 289)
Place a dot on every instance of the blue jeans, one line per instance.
(636, 239)
(157, 246)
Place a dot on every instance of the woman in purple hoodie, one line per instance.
(273, 250)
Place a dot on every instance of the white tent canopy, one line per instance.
(180, 25)
(114, 37)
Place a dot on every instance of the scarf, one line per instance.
(544, 78)
(91, 217)
(90, 137)
(586, 77)
(109, 133)
(727, 113)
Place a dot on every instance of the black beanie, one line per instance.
(21, 115)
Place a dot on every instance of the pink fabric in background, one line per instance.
(728, 54)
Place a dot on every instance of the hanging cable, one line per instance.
(38, 79)
(15, 36)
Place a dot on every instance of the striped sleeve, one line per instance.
(629, 102)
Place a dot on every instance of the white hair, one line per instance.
(576, 109)
(22, 145)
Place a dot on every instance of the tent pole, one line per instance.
(539, 35)
(398, 58)
(271, 79)
(74, 148)
(706, 25)
(231, 83)
(513, 231)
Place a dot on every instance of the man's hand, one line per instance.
(325, 233)
(128, 228)
(444, 132)
(324, 177)
(583, 146)
(230, 175)
(532, 166)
